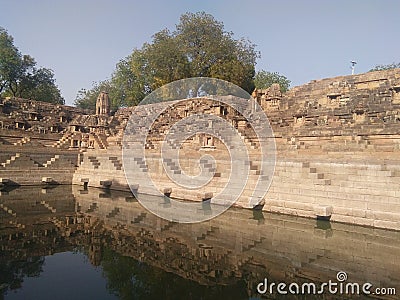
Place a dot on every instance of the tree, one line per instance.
(19, 76)
(41, 86)
(10, 60)
(129, 82)
(199, 47)
(385, 67)
(213, 52)
(22, 76)
(264, 79)
(164, 60)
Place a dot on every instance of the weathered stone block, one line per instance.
(47, 179)
(323, 210)
(167, 191)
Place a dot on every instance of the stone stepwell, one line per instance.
(337, 148)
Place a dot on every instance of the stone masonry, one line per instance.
(337, 140)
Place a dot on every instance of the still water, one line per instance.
(70, 243)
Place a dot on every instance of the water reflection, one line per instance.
(144, 257)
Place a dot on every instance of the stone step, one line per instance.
(9, 161)
(48, 206)
(8, 210)
(52, 160)
(94, 161)
(139, 218)
(113, 213)
(116, 162)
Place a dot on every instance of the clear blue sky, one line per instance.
(81, 41)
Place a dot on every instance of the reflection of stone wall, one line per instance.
(281, 248)
(264, 245)
(35, 217)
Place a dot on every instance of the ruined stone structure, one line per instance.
(30, 135)
(338, 146)
(40, 142)
(337, 139)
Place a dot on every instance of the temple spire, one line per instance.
(103, 104)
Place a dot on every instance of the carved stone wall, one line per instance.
(338, 147)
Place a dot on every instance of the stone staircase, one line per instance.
(139, 218)
(8, 210)
(357, 193)
(253, 145)
(141, 163)
(116, 162)
(94, 161)
(17, 224)
(20, 161)
(22, 141)
(9, 161)
(64, 140)
(48, 206)
(52, 160)
(315, 174)
(255, 168)
(295, 143)
(92, 207)
(113, 213)
(209, 231)
(253, 244)
(168, 226)
(172, 165)
(101, 140)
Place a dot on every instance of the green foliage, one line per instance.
(131, 279)
(40, 85)
(199, 47)
(13, 271)
(264, 79)
(10, 60)
(385, 67)
(19, 76)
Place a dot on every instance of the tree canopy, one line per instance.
(264, 79)
(385, 67)
(198, 47)
(19, 76)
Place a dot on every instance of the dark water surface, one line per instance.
(70, 243)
